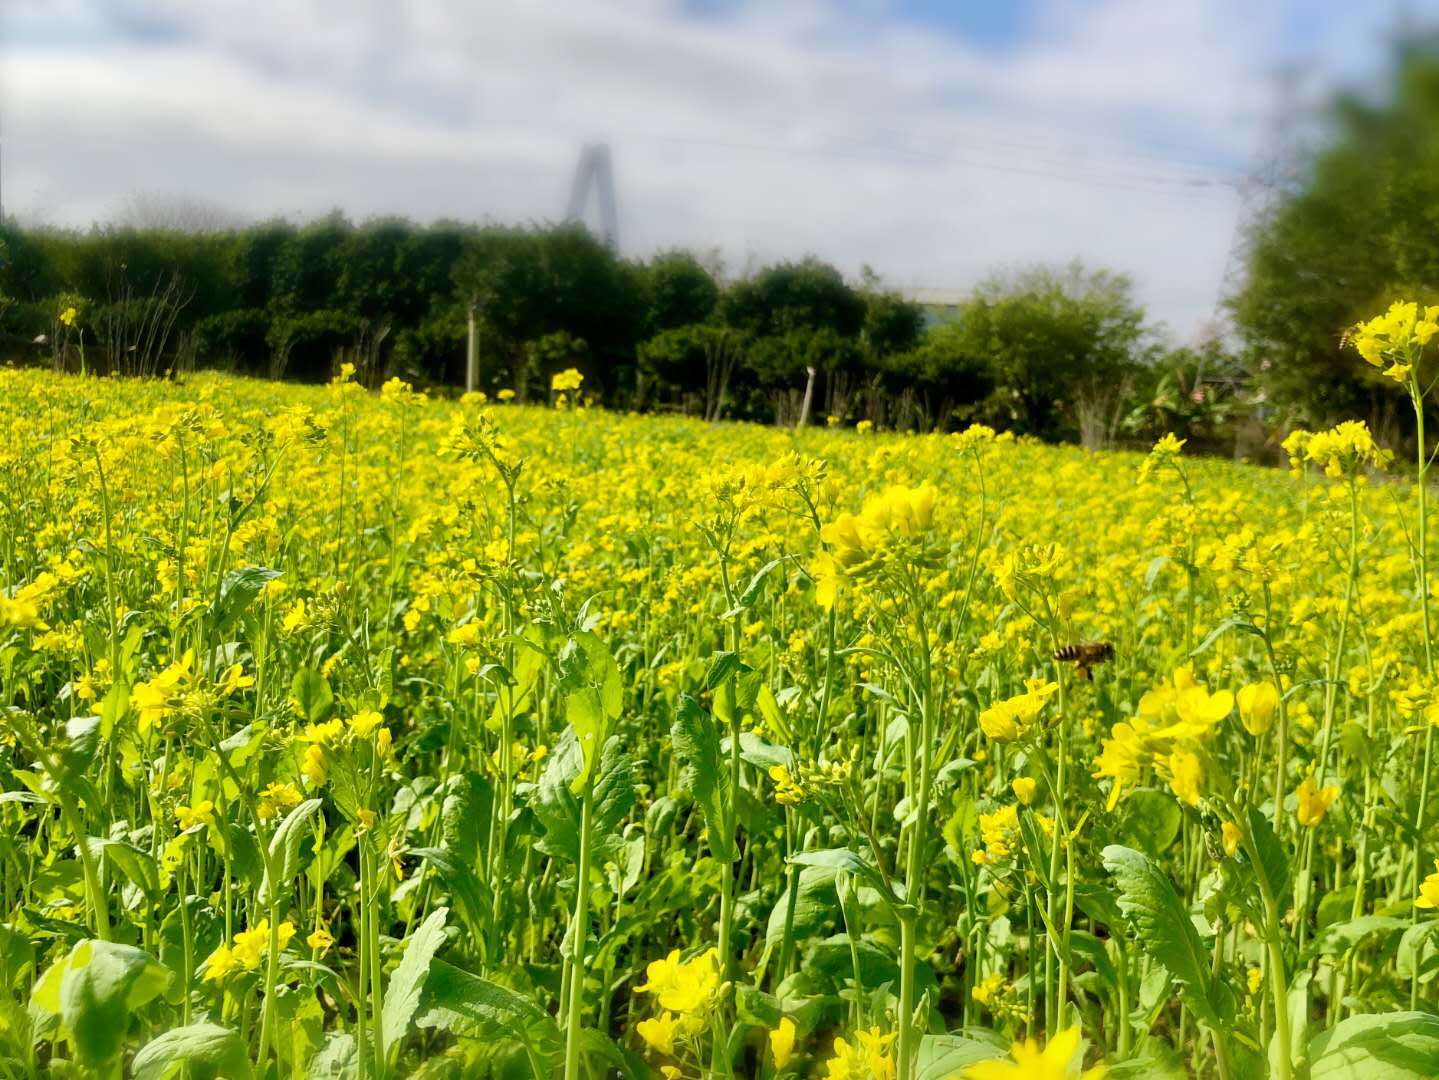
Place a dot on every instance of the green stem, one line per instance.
(1422, 817)
(579, 931)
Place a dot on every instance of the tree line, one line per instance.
(1054, 353)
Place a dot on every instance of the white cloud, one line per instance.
(770, 131)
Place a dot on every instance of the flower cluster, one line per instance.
(1395, 337)
(1170, 723)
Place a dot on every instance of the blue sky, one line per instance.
(934, 141)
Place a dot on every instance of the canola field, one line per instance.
(353, 734)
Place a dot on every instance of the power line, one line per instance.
(1152, 182)
(1275, 170)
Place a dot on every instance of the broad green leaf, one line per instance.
(101, 985)
(465, 816)
(725, 665)
(1338, 938)
(1165, 931)
(1158, 1063)
(17, 956)
(599, 1049)
(1150, 822)
(237, 591)
(337, 1059)
(515, 690)
(849, 861)
(1377, 1046)
(705, 775)
(877, 966)
(453, 998)
(467, 890)
(942, 1057)
(755, 751)
(815, 904)
(593, 697)
(1416, 951)
(285, 845)
(203, 1051)
(402, 996)
(310, 695)
(558, 808)
(136, 865)
(1099, 904)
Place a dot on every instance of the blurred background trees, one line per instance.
(1359, 228)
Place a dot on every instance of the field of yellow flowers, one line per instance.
(352, 734)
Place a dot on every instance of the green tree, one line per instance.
(679, 291)
(691, 362)
(946, 376)
(1061, 345)
(794, 315)
(1356, 232)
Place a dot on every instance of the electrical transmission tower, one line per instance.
(594, 171)
(1276, 169)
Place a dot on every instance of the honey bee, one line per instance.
(1084, 655)
(1345, 336)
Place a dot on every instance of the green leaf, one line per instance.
(942, 1057)
(849, 861)
(203, 1051)
(1151, 821)
(513, 693)
(1243, 626)
(337, 1059)
(467, 890)
(1377, 1046)
(453, 997)
(1338, 938)
(465, 816)
(310, 695)
(558, 808)
(697, 746)
(17, 956)
(815, 904)
(1411, 953)
(285, 846)
(756, 583)
(1099, 904)
(1036, 846)
(1163, 927)
(136, 865)
(1273, 863)
(402, 996)
(598, 1048)
(725, 665)
(755, 751)
(594, 694)
(237, 591)
(100, 984)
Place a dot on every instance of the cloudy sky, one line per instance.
(934, 140)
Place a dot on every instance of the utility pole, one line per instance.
(595, 171)
(808, 399)
(472, 353)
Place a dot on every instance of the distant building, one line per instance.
(940, 305)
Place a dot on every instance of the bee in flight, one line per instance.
(1084, 655)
